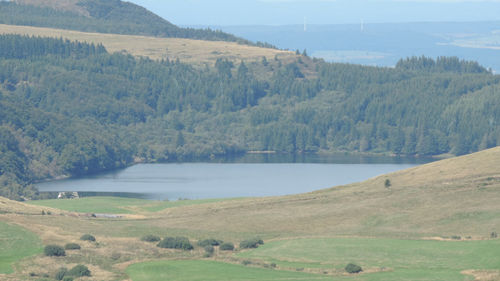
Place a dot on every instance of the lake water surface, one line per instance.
(249, 176)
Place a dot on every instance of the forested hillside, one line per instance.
(71, 108)
(103, 16)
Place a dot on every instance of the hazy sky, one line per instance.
(280, 12)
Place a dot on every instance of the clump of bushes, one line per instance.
(88, 237)
(209, 251)
(176, 243)
(251, 243)
(54, 251)
(387, 183)
(61, 273)
(209, 242)
(494, 235)
(79, 271)
(150, 238)
(226, 246)
(72, 246)
(246, 262)
(353, 268)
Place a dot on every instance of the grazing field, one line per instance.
(391, 231)
(385, 259)
(198, 270)
(105, 205)
(16, 243)
(197, 52)
(117, 205)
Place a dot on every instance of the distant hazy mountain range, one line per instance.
(383, 44)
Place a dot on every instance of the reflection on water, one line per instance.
(249, 176)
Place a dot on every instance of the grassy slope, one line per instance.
(116, 205)
(16, 243)
(105, 205)
(209, 270)
(451, 197)
(402, 259)
(197, 52)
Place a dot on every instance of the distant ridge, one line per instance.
(103, 16)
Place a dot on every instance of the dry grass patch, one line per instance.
(197, 52)
(483, 275)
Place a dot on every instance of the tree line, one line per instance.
(71, 108)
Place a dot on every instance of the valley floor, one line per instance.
(434, 222)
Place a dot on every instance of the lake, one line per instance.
(248, 176)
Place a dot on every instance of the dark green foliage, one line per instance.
(456, 237)
(88, 237)
(209, 242)
(387, 183)
(246, 262)
(61, 273)
(72, 246)
(54, 251)
(494, 235)
(150, 238)
(79, 271)
(209, 249)
(226, 246)
(251, 243)
(442, 64)
(86, 112)
(23, 47)
(67, 278)
(353, 268)
(176, 243)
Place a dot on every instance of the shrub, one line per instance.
(353, 268)
(116, 256)
(72, 246)
(251, 243)
(176, 243)
(494, 235)
(227, 247)
(209, 249)
(387, 183)
(87, 237)
(209, 242)
(246, 262)
(79, 271)
(456, 237)
(68, 278)
(150, 238)
(54, 251)
(61, 273)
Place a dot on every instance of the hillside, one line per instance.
(191, 51)
(73, 108)
(103, 16)
(402, 229)
(458, 196)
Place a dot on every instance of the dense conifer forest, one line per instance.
(72, 108)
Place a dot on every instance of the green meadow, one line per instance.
(16, 243)
(117, 205)
(107, 205)
(200, 270)
(388, 259)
